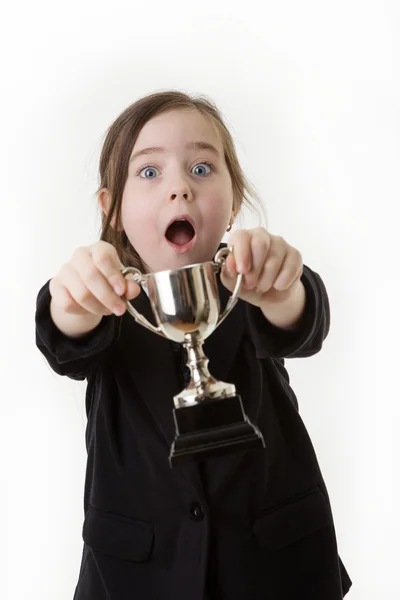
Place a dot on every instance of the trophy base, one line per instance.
(212, 428)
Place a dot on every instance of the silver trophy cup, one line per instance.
(208, 414)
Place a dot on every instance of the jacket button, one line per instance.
(196, 512)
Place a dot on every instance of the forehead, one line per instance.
(177, 127)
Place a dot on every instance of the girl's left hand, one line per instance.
(271, 268)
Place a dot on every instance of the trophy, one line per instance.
(208, 414)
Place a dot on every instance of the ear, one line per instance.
(104, 198)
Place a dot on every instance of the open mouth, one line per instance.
(180, 232)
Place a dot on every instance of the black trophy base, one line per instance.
(212, 428)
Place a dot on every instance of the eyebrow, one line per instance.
(189, 146)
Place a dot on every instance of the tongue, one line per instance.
(180, 233)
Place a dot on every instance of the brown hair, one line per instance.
(119, 142)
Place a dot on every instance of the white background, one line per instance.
(311, 91)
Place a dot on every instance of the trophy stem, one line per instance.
(198, 365)
(202, 384)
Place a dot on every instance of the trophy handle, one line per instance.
(219, 261)
(139, 278)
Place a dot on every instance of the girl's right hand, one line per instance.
(88, 283)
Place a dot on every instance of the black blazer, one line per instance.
(252, 525)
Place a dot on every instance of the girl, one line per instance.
(253, 524)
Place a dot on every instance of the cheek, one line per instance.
(219, 207)
(223, 198)
(138, 219)
(135, 205)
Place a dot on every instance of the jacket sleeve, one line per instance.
(74, 357)
(307, 339)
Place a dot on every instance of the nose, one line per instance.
(178, 195)
(181, 191)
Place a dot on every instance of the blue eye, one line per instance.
(149, 168)
(146, 169)
(201, 165)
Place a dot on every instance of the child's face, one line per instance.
(164, 185)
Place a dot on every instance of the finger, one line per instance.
(94, 265)
(291, 270)
(241, 242)
(106, 259)
(260, 244)
(63, 298)
(82, 297)
(133, 289)
(271, 269)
